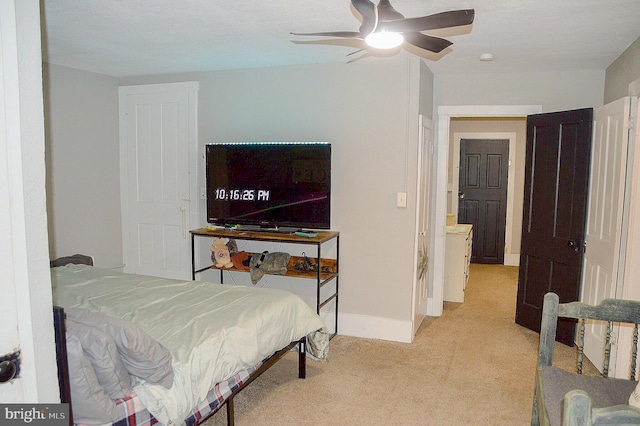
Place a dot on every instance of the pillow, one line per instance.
(103, 354)
(142, 355)
(91, 404)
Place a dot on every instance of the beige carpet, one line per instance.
(471, 366)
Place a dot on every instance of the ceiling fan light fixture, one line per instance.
(384, 40)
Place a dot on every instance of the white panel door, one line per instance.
(604, 215)
(158, 128)
(424, 235)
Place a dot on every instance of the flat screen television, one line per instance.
(269, 185)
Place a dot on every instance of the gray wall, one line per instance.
(82, 157)
(554, 90)
(368, 111)
(363, 110)
(624, 70)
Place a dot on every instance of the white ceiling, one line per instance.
(139, 37)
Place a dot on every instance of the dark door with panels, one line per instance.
(482, 196)
(554, 213)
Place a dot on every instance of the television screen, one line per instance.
(269, 184)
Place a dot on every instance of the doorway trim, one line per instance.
(426, 125)
(509, 258)
(445, 113)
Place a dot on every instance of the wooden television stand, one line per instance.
(327, 269)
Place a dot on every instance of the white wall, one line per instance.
(83, 183)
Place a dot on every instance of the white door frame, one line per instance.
(26, 314)
(417, 317)
(445, 113)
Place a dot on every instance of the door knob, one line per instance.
(575, 245)
(460, 194)
(8, 370)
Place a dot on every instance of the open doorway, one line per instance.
(471, 117)
(513, 130)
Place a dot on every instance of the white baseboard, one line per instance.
(512, 259)
(375, 328)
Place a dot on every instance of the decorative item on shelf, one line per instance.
(222, 249)
(306, 265)
(268, 263)
(241, 260)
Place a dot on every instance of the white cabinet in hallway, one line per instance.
(457, 259)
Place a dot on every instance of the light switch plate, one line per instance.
(402, 199)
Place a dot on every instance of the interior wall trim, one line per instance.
(445, 113)
(370, 327)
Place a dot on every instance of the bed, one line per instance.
(188, 346)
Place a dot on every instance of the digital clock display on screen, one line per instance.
(242, 194)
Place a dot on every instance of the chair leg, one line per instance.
(535, 420)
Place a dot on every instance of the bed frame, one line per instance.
(63, 369)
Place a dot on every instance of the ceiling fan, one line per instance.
(383, 27)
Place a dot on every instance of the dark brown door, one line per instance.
(482, 195)
(554, 213)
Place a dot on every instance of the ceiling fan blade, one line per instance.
(356, 51)
(341, 34)
(369, 14)
(454, 18)
(427, 42)
(386, 12)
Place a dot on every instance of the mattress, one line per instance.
(213, 331)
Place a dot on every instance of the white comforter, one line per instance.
(211, 330)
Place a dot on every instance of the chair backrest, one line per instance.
(611, 311)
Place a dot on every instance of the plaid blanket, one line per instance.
(133, 413)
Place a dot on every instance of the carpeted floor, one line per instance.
(471, 366)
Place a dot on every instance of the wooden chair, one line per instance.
(571, 398)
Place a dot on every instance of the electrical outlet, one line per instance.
(203, 193)
(402, 199)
